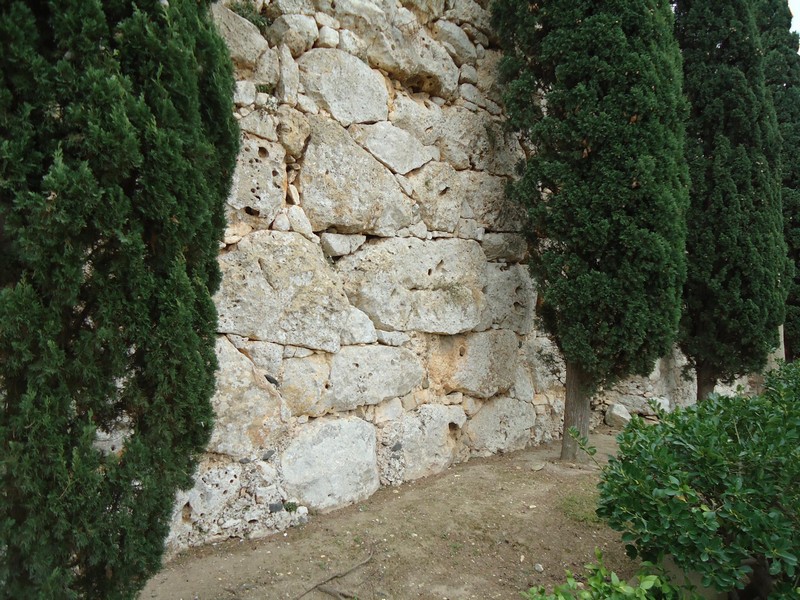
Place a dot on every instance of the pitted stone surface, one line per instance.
(486, 201)
(409, 284)
(501, 425)
(430, 440)
(357, 195)
(455, 41)
(276, 287)
(259, 182)
(438, 193)
(298, 32)
(510, 298)
(331, 463)
(477, 364)
(344, 86)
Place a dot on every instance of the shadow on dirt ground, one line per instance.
(488, 528)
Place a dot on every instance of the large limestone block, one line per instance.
(486, 201)
(331, 463)
(260, 124)
(243, 39)
(355, 376)
(288, 86)
(298, 32)
(507, 247)
(474, 140)
(365, 15)
(277, 287)
(472, 13)
(438, 193)
(429, 441)
(246, 405)
(510, 298)
(501, 425)
(407, 284)
(344, 86)
(394, 147)
(478, 364)
(408, 53)
(425, 10)
(356, 195)
(259, 182)
(455, 41)
(293, 130)
(419, 117)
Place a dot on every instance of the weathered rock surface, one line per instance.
(477, 364)
(357, 195)
(355, 376)
(298, 32)
(337, 244)
(487, 203)
(344, 86)
(409, 284)
(455, 41)
(331, 463)
(438, 193)
(259, 182)
(507, 247)
(394, 147)
(276, 287)
(293, 130)
(617, 416)
(510, 298)
(243, 39)
(501, 425)
(288, 86)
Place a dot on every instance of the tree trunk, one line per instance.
(706, 381)
(576, 410)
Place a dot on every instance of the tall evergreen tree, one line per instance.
(596, 87)
(734, 294)
(117, 147)
(782, 73)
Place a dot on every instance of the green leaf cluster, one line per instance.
(715, 485)
(117, 148)
(595, 89)
(602, 584)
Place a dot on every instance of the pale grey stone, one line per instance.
(352, 44)
(357, 195)
(328, 37)
(235, 232)
(293, 195)
(358, 329)
(246, 406)
(501, 425)
(338, 244)
(508, 247)
(438, 193)
(278, 288)
(469, 11)
(486, 198)
(326, 20)
(245, 93)
(419, 118)
(455, 41)
(266, 356)
(394, 147)
(344, 86)
(268, 69)
(298, 32)
(617, 416)
(281, 222)
(389, 410)
(259, 182)
(470, 93)
(332, 463)
(242, 38)
(392, 338)
(470, 229)
(406, 284)
(303, 384)
(364, 15)
(293, 130)
(425, 10)
(289, 83)
(523, 385)
(430, 443)
(510, 298)
(261, 124)
(298, 221)
(276, 8)
(468, 74)
(477, 364)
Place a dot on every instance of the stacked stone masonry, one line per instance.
(375, 314)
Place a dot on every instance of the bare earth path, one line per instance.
(489, 528)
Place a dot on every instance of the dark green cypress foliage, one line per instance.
(782, 73)
(605, 187)
(734, 294)
(117, 146)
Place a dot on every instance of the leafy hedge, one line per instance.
(716, 486)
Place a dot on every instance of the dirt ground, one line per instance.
(488, 528)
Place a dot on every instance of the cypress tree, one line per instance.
(596, 89)
(734, 294)
(782, 75)
(117, 146)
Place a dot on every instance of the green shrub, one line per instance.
(602, 584)
(716, 486)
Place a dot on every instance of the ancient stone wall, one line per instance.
(375, 313)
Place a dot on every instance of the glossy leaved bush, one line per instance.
(715, 486)
(117, 148)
